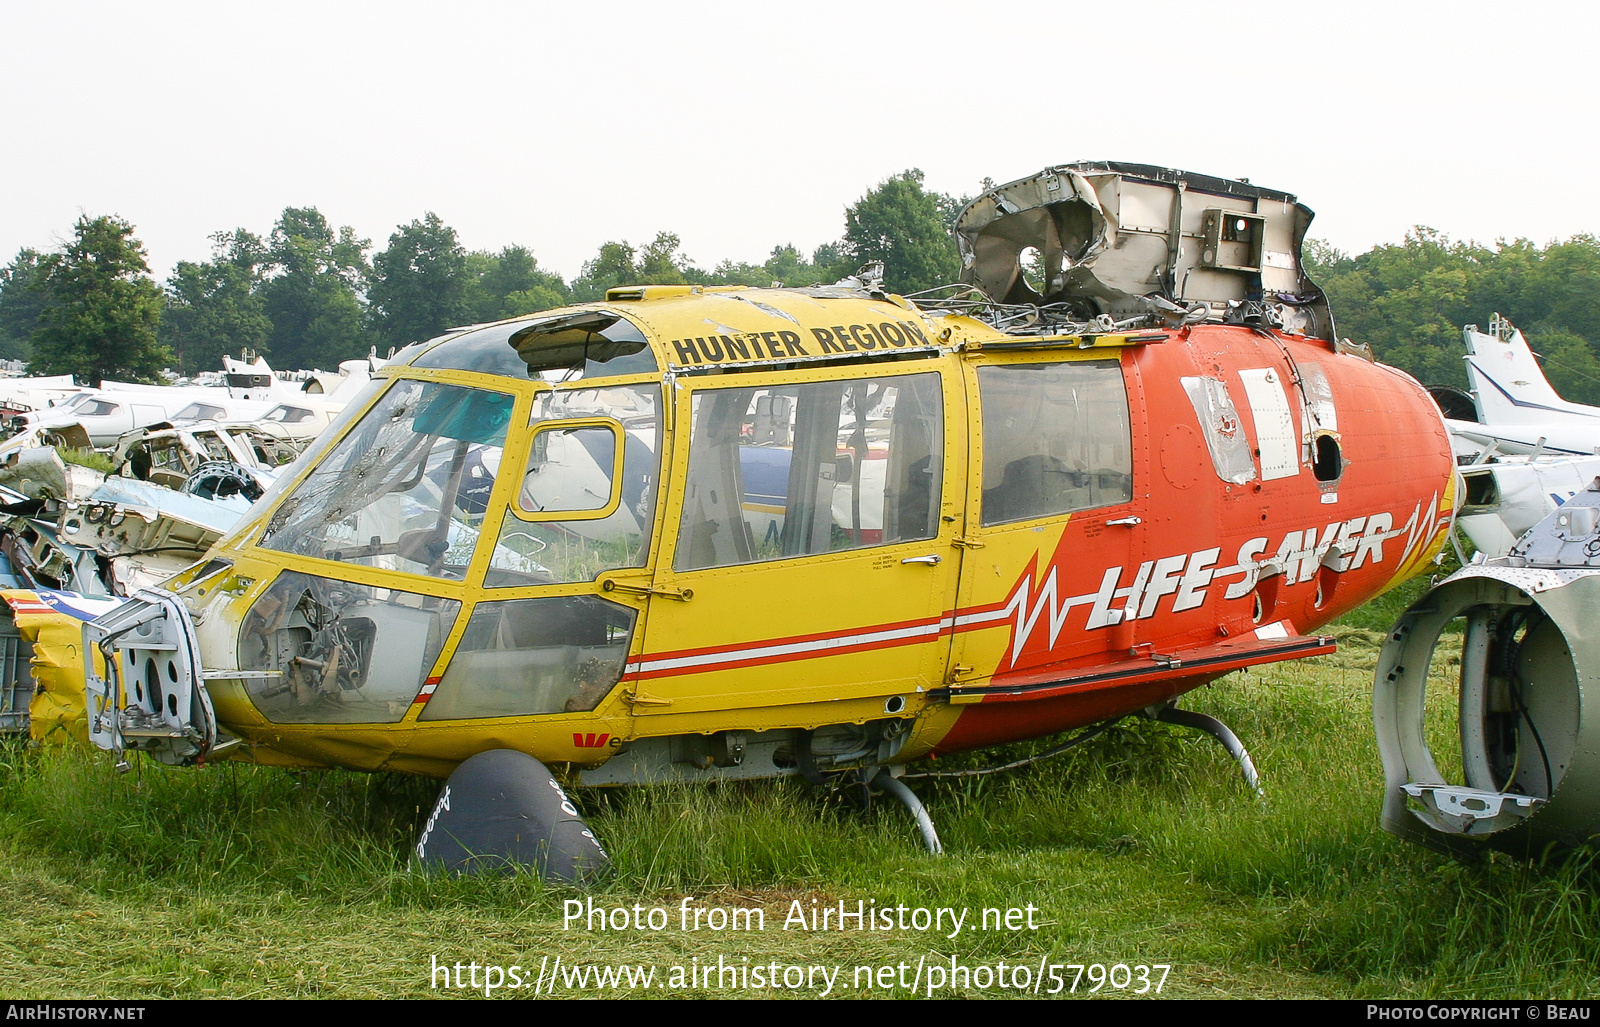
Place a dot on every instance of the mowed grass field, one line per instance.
(1140, 848)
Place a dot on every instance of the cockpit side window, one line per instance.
(586, 503)
(797, 470)
(340, 653)
(1056, 438)
(572, 469)
(402, 490)
(527, 657)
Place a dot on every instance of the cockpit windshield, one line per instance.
(407, 488)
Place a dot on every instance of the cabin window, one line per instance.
(586, 502)
(1056, 438)
(200, 412)
(778, 472)
(531, 656)
(403, 489)
(288, 415)
(340, 653)
(572, 468)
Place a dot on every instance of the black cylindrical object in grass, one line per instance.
(503, 811)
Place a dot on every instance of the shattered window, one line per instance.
(214, 447)
(169, 454)
(403, 489)
(797, 470)
(340, 653)
(1056, 438)
(1219, 422)
(575, 515)
(530, 656)
(559, 348)
(269, 452)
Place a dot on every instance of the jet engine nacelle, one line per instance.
(1529, 770)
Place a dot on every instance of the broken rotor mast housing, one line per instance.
(1120, 244)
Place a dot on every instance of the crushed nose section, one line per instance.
(1123, 241)
(1528, 771)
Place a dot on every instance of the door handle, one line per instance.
(931, 559)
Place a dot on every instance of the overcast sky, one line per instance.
(740, 126)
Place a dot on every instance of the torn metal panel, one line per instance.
(253, 453)
(145, 531)
(50, 625)
(37, 559)
(104, 535)
(1125, 240)
(16, 678)
(149, 500)
(1225, 436)
(69, 436)
(38, 472)
(1318, 414)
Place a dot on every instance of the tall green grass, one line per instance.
(1141, 846)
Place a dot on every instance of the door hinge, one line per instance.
(967, 542)
(664, 591)
(637, 697)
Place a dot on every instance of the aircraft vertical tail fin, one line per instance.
(1508, 383)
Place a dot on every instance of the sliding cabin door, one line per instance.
(808, 565)
(1056, 521)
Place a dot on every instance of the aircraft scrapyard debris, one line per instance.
(1063, 491)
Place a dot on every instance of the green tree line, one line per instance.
(1409, 300)
(307, 294)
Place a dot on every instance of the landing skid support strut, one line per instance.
(1220, 731)
(895, 787)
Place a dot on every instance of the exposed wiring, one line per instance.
(1519, 619)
